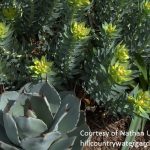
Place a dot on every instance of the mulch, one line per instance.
(107, 123)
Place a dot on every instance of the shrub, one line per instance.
(101, 45)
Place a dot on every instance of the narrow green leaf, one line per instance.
(142, 66)
(134, 126)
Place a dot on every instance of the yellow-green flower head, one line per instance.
(146, 7)
(141, 101)
(120, 73)
(9, 13)
(122, 53)
(41, 67)
(109, 28)
(79, 3)
(79, 30)
(3, 30)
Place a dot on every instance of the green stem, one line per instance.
(134, 127)
(143, 123)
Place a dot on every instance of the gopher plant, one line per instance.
(118, 58)
(36, 118)
(20, 24)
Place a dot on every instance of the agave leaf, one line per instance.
(45, 89)
(5, 146)
(76, 132)
(63, 94)
(63, 143)
(1, 118)
(3, 136)
(30, 127)
(71, 107)
(81, 127)
(18, 108)
(40, 143)
(42, 110)
(52, 97)
(11, 128)
(82, 119)
(25, 88)
(7, 96)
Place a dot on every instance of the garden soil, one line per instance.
(106, 123)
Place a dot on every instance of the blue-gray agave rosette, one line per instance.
(37, 118)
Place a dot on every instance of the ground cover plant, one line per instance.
(95, 46)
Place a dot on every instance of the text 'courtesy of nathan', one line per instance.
(116, 143)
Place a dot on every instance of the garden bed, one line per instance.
(110, 124)
(70, 69)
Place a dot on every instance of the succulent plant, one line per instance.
(37, 118)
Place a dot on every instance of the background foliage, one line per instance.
(37, 28)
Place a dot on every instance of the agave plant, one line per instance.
(37, 118)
